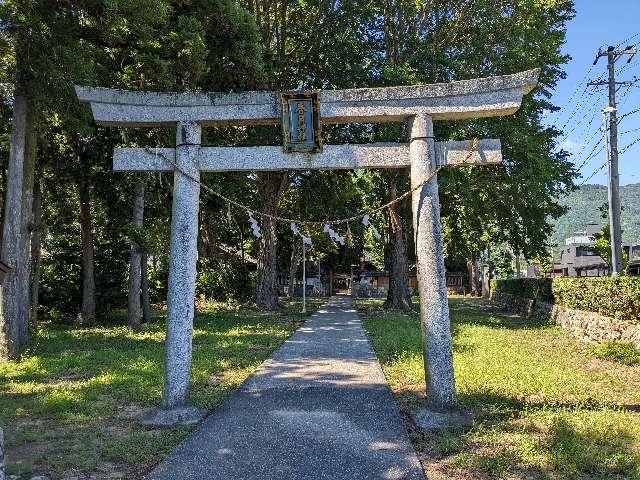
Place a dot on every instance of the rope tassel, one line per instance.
(332, 234)
(305, 238)
(254, 226)
(367, 223)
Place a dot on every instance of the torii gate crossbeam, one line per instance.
(417, 105)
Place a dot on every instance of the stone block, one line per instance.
(174, 417)
(434, 420)
(589, 327)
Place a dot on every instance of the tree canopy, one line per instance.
(223, 45)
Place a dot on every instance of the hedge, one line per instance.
(617, 297)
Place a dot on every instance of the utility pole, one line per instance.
(613, 54)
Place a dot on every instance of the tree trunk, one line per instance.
(36, 250)
(518, 265)
(15, 239)
(88, 310)
(135, 264)
(293, 267)
(331, 282)
(399, 294)
(146, 303)
(472, 267)
(270, 187)
(27, 226)
(3, 188)
(470, 275)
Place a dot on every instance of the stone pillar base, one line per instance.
(174, 417)
(434, 420)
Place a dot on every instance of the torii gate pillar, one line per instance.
(182, 280)
(434, 308)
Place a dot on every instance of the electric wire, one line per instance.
(596, 171)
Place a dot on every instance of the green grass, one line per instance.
(72, 403)
(621, 352)
(545, 407)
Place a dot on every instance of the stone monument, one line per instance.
(419, 105)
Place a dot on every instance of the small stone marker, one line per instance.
(301, 115)
(486, 282)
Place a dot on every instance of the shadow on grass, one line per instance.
(398, 333)
(492, 405)
(494, 319)
(74, 398)
(591, 451)
(517, 432)
(68, 370)
(534, 439)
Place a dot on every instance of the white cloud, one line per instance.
(571, 146)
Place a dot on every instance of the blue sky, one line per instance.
(599, 24)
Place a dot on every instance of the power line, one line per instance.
(584, 80)
(624, 97)
(613, 54)
(586, 128)
(593, 174)
(592, 153)
(595, 133)
(577, 109)
(594, 84)
(632, 143)
(629, 131)
(577, 89)
(627, 40)
(632, 112)
(595, 152)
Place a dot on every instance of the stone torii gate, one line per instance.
(418, 105)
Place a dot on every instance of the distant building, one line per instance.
(578, 259)
(556, 270)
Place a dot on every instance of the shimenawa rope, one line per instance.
(472, 147)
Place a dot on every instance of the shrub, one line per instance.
(617, 297)
(621, 352)
(536, 288)
(224, 280)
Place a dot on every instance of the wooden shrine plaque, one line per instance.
(301, 126)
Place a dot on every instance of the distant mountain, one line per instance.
(583, 209)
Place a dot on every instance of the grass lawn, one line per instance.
(70, 406)
(546, 406)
